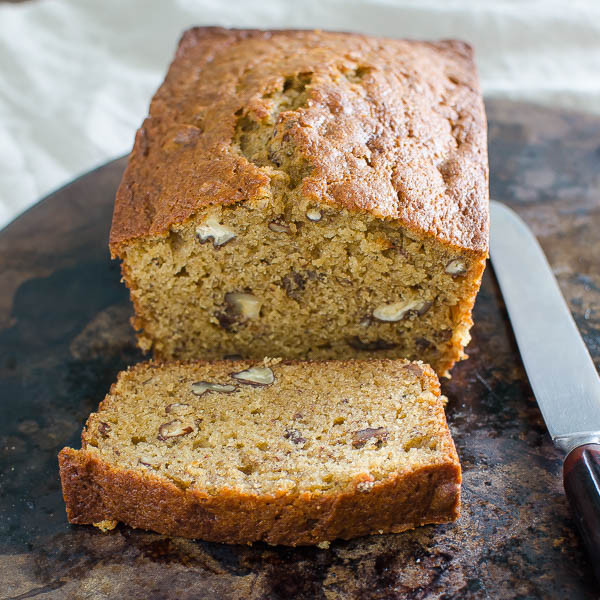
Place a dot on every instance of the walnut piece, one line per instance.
(202, 387)
(173, 429)
(255, 376)
(293, 283)
(244, 305)
(396, 311)
(313, 214)
(147, 461)
(178, 408)
(456, 267)
(294, 436)
(279, 227)
(362, 436)
(103, 429)
(212, 229)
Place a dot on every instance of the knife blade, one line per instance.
(562, 374)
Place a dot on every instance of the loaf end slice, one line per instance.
(283, 452)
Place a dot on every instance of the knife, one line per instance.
(560, 369)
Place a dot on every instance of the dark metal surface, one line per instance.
(64, 334)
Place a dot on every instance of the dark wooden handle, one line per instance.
(581, 477)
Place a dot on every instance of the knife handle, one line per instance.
(581, 478)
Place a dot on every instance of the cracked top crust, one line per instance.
(394, 128)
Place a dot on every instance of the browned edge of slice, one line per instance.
(96, 492)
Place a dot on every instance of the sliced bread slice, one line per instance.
(284, 452)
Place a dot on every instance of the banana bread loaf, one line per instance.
(284, 452)
(307, 194)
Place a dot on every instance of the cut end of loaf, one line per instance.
(271, 278)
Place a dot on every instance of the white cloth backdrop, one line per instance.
(76, 76)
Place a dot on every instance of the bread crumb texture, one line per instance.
(252, 444)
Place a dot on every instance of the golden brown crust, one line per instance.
(391, 127)
(95, 492)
